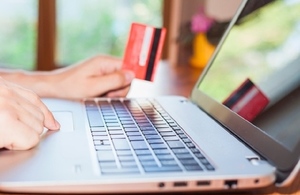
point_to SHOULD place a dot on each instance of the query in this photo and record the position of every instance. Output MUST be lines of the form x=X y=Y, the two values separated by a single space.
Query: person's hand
x=23 y=117
x=97 y=76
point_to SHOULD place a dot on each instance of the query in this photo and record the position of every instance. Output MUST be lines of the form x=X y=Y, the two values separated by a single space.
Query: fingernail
x=129 y=75
x=57 y=125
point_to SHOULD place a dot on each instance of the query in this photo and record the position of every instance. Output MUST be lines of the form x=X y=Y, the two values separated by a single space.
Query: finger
x=119 y=93
x=21 y=138
x=108 y=64
x=19 y=108
x=49 y=120
x=110 y=82
x=29 y=115
x=100 y=65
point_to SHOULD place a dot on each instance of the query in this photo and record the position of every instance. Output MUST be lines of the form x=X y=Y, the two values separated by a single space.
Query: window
x=83 y=29
x=18 y=20
x=91 y=27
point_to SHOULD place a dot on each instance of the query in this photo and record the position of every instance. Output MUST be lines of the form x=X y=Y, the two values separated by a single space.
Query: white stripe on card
x=146 y=46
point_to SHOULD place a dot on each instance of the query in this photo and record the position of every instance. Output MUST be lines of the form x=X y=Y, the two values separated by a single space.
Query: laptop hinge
x=286 y=178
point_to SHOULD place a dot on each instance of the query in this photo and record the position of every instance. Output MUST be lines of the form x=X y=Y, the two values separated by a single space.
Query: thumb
x=114 y=81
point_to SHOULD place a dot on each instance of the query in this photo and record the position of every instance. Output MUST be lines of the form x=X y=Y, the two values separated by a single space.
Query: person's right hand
x=23 y=117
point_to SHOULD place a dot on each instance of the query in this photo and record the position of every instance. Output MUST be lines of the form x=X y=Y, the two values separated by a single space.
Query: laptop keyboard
x=138 y=136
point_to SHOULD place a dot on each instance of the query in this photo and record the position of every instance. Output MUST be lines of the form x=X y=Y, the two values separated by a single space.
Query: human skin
x=23 y=116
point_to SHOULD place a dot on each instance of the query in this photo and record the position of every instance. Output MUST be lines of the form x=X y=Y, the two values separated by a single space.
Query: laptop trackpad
x=65 y=119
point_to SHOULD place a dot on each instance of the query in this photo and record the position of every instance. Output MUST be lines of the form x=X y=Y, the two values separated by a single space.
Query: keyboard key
x=95 y=118
x=127 y=170
x=108 y=164
x=98 y=137
x=164 y=156
x=127 y=122
x=117 y=136
x=171 y=138
x=135 y=138
x=90 y=104
x=112 y=124
x=121 y=144
x=199 y=155
x=145 y=157
x=143 y=152
x=175 y=144
x=116 y=132
x=149 y=163
x=184 y=156
x=129 y=126
x=155 y=141
x=152 y=136
x=180 y=150
x=158 y=146
x=101 y=133
x=126 y=158
x=128 y=164
x=102 y=142
x=209 y=167
x=110 y=129
x=103 y=147
x=131 y=129
x=96 y=129
x=134 y=133
x=164 y=130
x=193 y=167
x=150 y=132
x=115 y=120
x=137 y=145
x=105 y=155
x=161 y=151
x=190 y=145
x=171 y=133
x=168 y=162
x=188 y=161
x=147 y=128
x=186 y=140
x=124 y=152
x=162 y=169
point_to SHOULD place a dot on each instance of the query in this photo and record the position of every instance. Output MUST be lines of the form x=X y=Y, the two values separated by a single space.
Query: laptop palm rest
x=65 y=119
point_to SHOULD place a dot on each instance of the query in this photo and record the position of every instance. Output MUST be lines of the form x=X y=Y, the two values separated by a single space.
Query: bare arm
x=93 y=77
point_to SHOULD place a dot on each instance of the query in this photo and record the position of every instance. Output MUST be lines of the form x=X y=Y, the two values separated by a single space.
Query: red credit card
x=248 y=100
x=143 y=50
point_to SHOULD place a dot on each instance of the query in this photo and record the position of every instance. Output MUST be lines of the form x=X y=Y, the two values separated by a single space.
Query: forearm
x=42 y=83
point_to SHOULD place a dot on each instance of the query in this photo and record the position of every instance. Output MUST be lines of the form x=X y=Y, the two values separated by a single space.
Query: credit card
x=247 y=100
x=143 y=50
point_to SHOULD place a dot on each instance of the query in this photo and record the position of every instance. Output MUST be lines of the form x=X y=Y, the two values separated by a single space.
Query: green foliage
x=102 y=27
x=18 y=43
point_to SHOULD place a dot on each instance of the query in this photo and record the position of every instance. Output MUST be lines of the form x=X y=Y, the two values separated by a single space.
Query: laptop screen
x=256 y=72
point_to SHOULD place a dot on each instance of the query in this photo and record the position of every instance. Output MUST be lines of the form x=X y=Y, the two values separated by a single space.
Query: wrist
x=42 y=83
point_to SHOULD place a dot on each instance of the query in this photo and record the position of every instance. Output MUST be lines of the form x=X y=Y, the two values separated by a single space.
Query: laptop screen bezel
x=279 y=156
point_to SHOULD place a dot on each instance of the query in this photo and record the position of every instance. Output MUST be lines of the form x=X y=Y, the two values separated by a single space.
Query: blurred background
x=46 y=34
x=83 y=28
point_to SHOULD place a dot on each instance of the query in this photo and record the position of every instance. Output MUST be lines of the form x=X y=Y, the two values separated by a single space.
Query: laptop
x=238 y=130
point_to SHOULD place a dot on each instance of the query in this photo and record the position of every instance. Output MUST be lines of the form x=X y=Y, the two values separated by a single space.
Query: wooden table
x=179 y=81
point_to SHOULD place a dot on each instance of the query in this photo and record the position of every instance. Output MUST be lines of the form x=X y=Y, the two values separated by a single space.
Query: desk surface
x=180 y=81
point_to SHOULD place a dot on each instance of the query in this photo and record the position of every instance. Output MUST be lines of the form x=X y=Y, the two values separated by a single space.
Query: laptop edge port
x=180 y=184
x=231 y=184
x=203 y=183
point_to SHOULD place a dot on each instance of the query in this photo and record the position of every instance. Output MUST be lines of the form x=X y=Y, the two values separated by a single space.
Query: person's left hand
x=97 y=76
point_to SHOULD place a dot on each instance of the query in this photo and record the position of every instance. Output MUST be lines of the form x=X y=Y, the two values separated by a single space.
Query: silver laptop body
x=213 y=147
